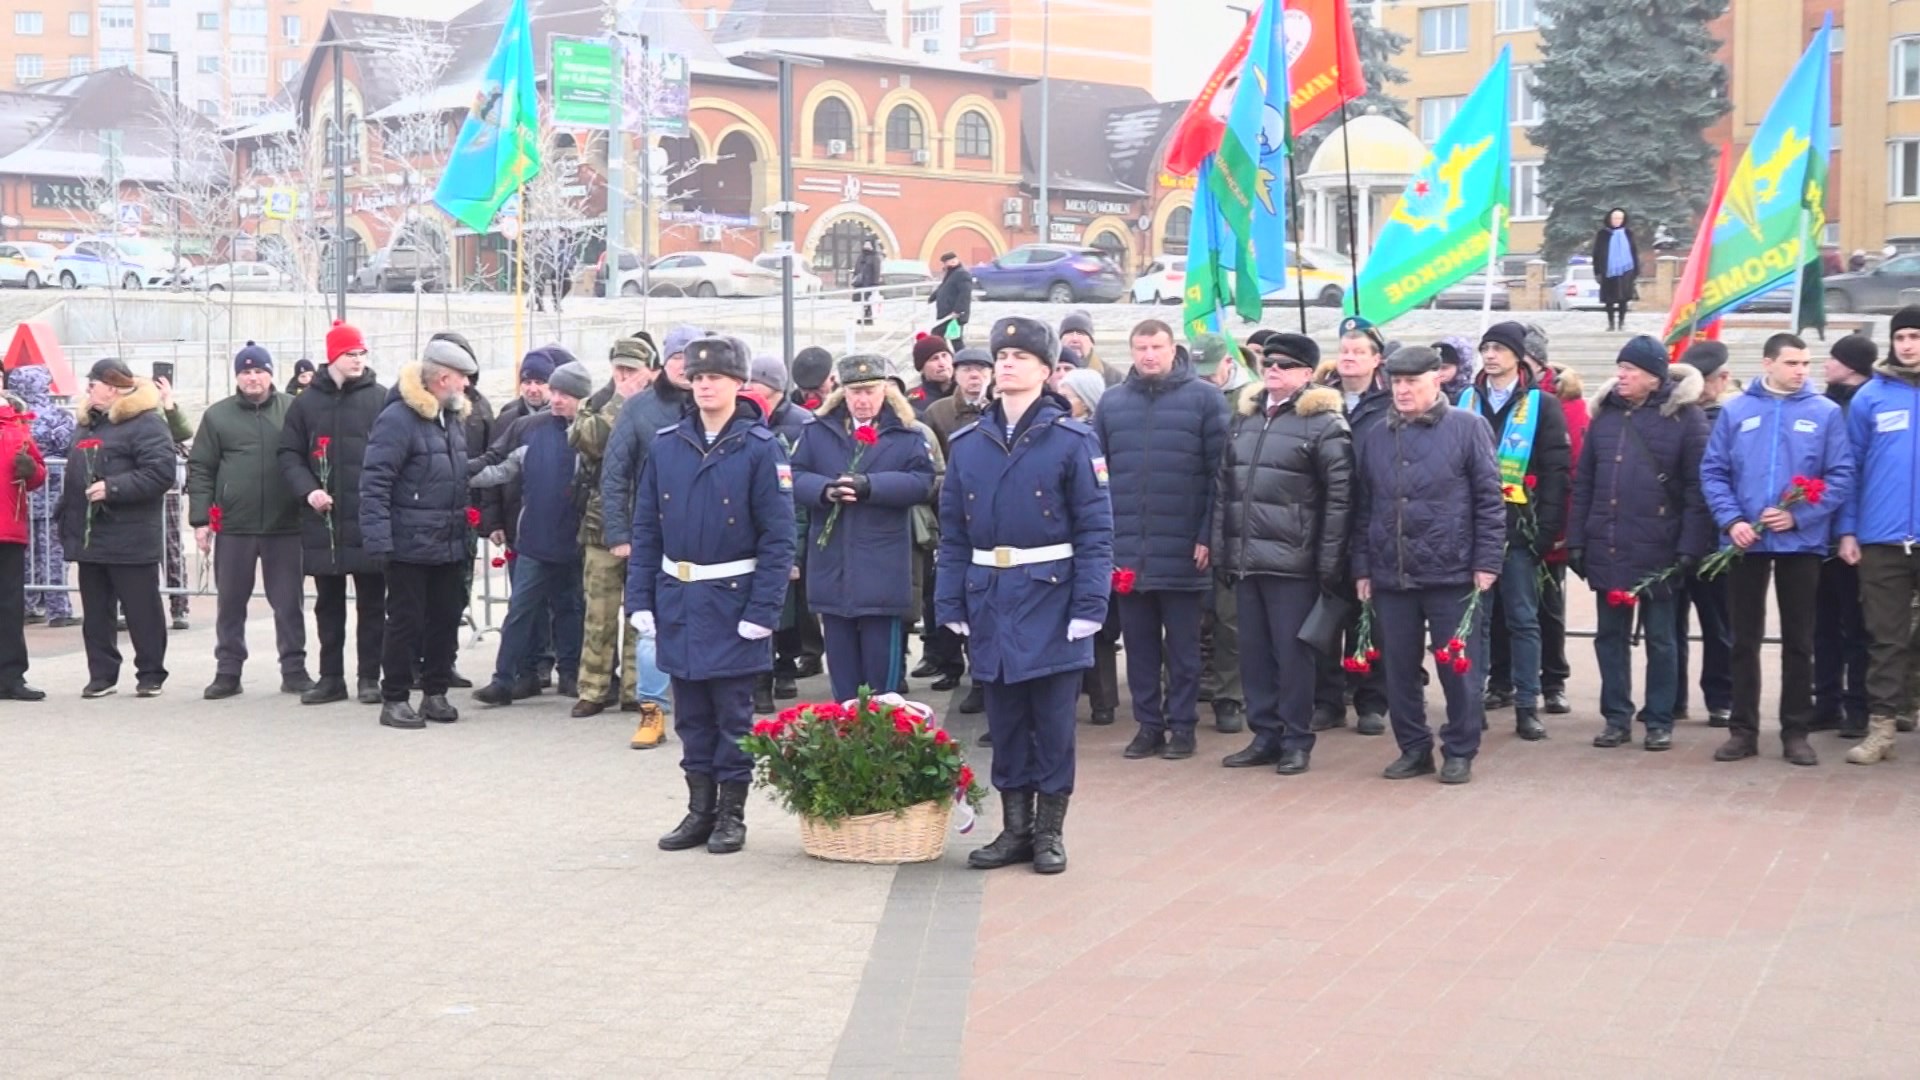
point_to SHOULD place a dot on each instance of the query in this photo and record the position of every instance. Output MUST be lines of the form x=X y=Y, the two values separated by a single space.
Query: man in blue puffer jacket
x=862 y=455
x=1880 y=530
x=413 y=515
x=1764 y=444
x=1163 y=430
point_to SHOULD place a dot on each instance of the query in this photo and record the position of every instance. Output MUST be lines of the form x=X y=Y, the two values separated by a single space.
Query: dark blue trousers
x=1709 y=598
x=1840 y=647
x=1032 y=727
x=548 y=602
x=710 y=716
x=1276 y=667
x=1408 y=627
x=1163 y=627
x=863 y=652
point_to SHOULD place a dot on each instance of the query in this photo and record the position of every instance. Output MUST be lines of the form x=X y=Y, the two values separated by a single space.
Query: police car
x=127 y=262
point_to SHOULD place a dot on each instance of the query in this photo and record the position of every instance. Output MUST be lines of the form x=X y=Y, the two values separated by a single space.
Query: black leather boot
x=697 y=826
x=763 y=696
x=437 y=708
x=368 y=691
x=1049 y=845
x=1015 y=842
x=730 y=819
x=329 y=689
x=399 y=714
x=1527 y=725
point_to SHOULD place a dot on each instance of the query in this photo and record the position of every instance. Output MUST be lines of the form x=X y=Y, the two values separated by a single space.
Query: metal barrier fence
x=188 y=573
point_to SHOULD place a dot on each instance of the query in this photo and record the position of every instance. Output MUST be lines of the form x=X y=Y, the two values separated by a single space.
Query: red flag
x=1681 y=328
x=1323 y=59
x=1323 y=66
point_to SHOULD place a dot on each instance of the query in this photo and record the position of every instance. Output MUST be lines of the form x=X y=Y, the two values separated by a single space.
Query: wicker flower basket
x=916 y=834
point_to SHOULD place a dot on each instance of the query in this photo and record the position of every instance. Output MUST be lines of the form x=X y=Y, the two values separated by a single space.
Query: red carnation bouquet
x=1801 y=489
x=1123 y=580
x=90 y=451
x=864 y=436
x=323 y=471
x=1364 y=655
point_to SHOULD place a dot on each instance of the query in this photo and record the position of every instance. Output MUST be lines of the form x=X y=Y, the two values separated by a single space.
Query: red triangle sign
x=34 y=343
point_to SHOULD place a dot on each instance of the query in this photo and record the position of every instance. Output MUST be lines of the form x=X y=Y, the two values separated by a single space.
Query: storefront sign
x=1096 y=206
x=1064 y=232
x=59 y=195
x=1173 y=182
x=582 y=82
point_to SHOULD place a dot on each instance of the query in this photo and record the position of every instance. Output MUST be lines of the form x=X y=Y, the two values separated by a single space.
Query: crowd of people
x=1281 y=536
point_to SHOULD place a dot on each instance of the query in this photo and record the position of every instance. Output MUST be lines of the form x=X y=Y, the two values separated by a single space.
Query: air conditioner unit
x=1011 y=205
x=836 y=148
x=711 y=234
x=921 y=157
x=1011 y=219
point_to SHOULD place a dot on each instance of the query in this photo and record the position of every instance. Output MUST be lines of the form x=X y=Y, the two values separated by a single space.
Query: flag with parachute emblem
x=498 y=149
x=1774 y=207
x=1250 y=165
x=1443 y=225
x=1208 y=286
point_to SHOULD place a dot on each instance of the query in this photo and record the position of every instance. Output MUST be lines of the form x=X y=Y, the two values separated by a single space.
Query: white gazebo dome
x=1386 y=155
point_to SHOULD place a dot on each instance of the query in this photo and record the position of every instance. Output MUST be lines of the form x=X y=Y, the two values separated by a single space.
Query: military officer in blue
x=1025 y=578
x=860 y=468
x=712 y=547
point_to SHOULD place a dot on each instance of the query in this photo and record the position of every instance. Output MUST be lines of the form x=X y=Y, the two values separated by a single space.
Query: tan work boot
x=653 y=727
x=1878 y=745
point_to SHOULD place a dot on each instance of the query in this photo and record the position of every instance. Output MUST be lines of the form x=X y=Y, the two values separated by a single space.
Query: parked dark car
x=395 y=269
x=1875 y=291
x=1056 y=273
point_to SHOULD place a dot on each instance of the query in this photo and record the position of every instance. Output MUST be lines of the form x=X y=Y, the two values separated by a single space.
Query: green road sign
x=582 y=82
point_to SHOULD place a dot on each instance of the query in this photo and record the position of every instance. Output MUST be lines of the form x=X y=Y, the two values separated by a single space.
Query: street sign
x=582 y=82
x=282 y=204
x=658 y=92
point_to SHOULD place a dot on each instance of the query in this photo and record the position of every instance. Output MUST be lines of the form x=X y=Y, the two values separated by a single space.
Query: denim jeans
x=544 y=593
x=1613 y=648
x=650 y=683
x=1519 y=597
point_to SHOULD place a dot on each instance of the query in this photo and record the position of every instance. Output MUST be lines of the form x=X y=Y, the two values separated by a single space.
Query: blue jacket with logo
x=1883 y=426
x=1044 y=486
x=709 y=504
x=1759 y=444
x=866 y=567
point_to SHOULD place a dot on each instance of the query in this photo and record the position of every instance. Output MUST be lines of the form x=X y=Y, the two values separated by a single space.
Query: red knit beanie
x=343 y=338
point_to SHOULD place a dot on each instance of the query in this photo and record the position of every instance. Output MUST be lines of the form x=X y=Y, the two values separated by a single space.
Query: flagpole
x=1293 y=213
x=1493 y=260
x=519 y=274
x=1800 y=270
x=1353 y=218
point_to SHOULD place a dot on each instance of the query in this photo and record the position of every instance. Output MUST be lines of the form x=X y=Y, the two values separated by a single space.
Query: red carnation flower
x=1456 y=646
x=214 y=517
x=322 y=442
x=473 y=517
x=1123 y=579
x=1532 y=481
x=498 y=562
x=87 y=444
x=1462 y=665
x=866 y=435
x=966 y=777
x=940 y=737
x=1442 y=657
x=1372 y=655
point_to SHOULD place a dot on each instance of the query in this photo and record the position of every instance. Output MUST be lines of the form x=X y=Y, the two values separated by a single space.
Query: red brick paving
x=1572 y=912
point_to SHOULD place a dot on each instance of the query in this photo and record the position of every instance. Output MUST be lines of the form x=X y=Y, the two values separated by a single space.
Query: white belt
x=1001 y=558
x=688 y=571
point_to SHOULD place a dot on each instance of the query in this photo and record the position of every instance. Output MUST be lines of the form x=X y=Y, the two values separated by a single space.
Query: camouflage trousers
x=602 y=645
x=47 y=567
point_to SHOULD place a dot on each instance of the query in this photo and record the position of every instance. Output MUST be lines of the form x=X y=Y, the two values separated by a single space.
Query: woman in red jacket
x=23 y=471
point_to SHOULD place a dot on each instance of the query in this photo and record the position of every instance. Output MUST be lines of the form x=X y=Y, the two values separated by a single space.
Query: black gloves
x=1687 y=564
x=856 y=484
x=1577 y=562
x=23 y=465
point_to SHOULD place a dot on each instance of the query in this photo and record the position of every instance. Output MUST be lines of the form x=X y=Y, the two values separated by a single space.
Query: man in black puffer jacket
x=322 y=446
x=111 y=512
x=1280 y=536
x=1163 y=430
x=1428 y=530
x=413 y=514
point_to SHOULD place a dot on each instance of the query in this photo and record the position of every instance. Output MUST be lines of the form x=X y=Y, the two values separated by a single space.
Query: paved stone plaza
x=252 y=888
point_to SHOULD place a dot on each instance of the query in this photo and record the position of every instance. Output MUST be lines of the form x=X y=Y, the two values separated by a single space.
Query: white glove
x=960 y=628
x=752 y=632
x=642 y=622
x=1081 y=628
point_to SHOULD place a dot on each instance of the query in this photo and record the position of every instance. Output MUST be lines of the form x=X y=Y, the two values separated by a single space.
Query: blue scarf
x=1620 y=254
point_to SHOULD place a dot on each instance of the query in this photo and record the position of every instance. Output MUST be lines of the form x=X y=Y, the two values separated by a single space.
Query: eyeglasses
x=1280 y=361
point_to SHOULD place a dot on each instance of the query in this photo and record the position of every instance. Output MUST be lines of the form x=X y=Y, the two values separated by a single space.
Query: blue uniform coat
x=1163 y=440
x=1759 y=444
x=1041 y=490
x=866 y=567
x=712 y=504
x=1883 y=427
x=413 y=484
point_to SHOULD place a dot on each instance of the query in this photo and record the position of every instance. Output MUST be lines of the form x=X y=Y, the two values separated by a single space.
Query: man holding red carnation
x=1776 y=467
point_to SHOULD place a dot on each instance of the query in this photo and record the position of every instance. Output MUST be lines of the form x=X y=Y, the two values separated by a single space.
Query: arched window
x=1174 y=239
x=832 y=122
x=973 y=137
x=1113 y=245
x=906 y=132
x=356 y=138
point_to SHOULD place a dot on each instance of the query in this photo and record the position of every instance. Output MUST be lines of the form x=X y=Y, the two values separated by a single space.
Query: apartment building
x=1106 y=41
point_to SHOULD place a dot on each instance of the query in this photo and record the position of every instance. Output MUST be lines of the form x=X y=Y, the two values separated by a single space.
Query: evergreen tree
x=1626 y=88
x=1378 y=46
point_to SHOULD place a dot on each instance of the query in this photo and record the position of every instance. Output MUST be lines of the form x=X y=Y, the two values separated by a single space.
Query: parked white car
x=710 y=273
x=129 y=262
x=241 y=277
x=26 y=264
x=805 y=281
x=1577 y=290
x=1327 y=274
x=1164 y=281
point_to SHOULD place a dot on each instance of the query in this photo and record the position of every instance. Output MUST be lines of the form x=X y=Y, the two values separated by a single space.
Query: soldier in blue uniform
x=1025 y=578
x=862 y=454
x=712 y=546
